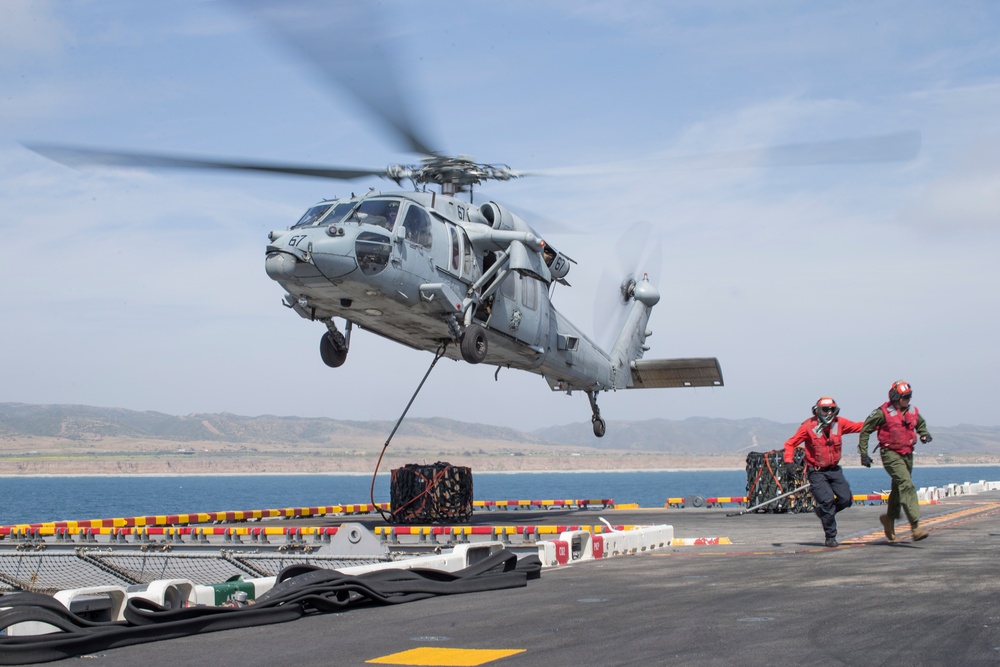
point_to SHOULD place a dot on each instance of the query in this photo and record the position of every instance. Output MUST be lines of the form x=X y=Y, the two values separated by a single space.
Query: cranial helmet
x=826 y=410
x=899 y=389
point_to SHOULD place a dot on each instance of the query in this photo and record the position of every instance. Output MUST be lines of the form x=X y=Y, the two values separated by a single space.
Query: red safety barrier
x=562 y=551
x=598 y=546
x=581 y=503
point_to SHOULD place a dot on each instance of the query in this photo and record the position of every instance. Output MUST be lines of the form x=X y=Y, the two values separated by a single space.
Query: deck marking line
x=956 y=516
x=445 y=657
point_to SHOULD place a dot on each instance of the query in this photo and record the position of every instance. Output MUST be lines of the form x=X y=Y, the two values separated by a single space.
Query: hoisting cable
x=371 y=494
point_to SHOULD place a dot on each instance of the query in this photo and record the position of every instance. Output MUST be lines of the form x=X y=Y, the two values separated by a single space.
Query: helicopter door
x=414 y=243
x=459 y=258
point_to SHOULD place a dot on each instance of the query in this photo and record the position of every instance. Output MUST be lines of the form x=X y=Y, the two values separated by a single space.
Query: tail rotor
x=638 y=256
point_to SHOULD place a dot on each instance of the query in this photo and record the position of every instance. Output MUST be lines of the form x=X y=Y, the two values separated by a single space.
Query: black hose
x=299 y=590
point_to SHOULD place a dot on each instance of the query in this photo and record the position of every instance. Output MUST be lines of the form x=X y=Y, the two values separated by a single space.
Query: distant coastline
x=68 y=440
x=386 y=472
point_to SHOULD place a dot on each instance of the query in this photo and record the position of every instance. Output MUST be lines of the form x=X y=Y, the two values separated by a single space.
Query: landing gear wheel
x=333 y=349
x=599 y=426
x=474 y=344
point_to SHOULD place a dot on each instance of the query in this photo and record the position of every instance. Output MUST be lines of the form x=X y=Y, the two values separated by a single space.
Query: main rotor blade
x=893 y=147
x=72 y=156
x=352 y=49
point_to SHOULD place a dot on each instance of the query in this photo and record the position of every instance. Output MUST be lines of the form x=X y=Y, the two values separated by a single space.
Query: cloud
x=30 y=29
x=960 y=202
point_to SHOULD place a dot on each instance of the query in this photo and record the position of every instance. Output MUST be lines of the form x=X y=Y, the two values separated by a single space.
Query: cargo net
x=766 y=480
x=431 y=494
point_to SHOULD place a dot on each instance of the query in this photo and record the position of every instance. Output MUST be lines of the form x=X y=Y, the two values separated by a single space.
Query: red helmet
x=900 y=389
x=826 y=407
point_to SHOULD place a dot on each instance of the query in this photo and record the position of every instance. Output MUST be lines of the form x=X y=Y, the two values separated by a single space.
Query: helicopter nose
x=280 y=266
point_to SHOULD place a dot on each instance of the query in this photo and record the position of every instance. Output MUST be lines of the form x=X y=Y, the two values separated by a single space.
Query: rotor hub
x=458 y=171
x=628 y=289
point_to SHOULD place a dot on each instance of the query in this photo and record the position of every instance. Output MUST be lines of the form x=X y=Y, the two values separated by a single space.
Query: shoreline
x=474 y=472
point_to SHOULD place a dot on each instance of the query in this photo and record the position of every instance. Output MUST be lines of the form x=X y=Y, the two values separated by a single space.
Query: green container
x=225 y=591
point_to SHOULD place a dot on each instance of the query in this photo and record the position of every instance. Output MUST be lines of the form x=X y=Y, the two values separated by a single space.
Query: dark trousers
x=832 y=494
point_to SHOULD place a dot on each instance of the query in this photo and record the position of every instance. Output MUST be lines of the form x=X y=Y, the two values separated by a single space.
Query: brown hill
x=66 y=439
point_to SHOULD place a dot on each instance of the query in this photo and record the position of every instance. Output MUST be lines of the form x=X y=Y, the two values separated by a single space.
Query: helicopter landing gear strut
x=599 y=426
x=333 y=345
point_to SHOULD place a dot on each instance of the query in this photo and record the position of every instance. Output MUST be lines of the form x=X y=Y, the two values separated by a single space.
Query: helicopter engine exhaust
x=499 y=217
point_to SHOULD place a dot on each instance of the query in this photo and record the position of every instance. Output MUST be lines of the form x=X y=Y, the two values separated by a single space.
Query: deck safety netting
x=47 y=572
x=197 y=568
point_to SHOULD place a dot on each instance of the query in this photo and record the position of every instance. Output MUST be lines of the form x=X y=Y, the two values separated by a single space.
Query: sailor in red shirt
x=822 y=436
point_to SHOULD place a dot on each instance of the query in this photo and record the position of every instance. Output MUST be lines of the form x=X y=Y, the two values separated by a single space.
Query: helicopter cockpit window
x=418 y=226
x=312 y=215
x=381 y=212
x=338 y=212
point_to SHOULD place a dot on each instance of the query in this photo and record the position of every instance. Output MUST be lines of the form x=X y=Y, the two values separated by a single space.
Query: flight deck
x=754 y=589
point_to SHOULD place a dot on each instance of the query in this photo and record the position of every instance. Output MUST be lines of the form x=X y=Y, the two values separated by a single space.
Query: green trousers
x=900 y=468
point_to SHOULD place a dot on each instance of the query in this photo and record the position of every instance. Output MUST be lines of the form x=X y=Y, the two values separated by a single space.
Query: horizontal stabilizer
x=666 y=373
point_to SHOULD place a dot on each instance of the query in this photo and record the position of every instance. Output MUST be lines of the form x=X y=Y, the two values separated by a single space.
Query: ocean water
x=38 y=499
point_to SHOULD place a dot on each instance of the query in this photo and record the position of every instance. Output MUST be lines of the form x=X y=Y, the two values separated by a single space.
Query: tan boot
x=888 y=525
x=917 y=533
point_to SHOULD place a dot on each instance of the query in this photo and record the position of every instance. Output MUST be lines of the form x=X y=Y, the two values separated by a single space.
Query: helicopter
x=429 y=270
x=425 y=267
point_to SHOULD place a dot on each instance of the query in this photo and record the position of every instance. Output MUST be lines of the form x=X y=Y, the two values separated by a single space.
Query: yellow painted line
x=699 y=541
x=626 y=506
x=903 y=530
x=445 y=657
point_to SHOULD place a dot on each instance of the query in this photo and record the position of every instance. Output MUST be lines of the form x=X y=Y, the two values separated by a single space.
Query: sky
x=146 y=290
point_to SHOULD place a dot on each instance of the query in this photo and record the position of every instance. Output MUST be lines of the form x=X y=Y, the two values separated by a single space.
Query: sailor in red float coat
x=898 y=432
x=822 y=436
x=822 y=447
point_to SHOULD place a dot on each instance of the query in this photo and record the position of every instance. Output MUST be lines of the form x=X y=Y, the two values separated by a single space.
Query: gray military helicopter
x=427 y=269
x=434 y=271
